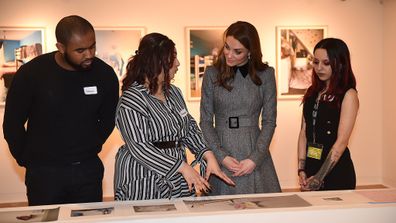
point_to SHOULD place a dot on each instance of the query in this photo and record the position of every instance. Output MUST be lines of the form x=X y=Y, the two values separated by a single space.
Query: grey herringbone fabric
x=246 y=101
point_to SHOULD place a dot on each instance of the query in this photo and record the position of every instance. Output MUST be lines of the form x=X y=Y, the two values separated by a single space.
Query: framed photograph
x=203 y=46
x=116 y=45
x=18 y=45
x=294 y=50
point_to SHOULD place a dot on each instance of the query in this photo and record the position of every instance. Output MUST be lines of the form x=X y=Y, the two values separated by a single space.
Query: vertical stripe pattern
x=143 y=171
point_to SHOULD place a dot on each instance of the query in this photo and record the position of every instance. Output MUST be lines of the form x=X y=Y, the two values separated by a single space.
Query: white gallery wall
x=389 y=102
x=361 y=23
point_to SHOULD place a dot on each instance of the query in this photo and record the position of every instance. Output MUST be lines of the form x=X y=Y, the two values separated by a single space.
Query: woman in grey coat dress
x=235 y=91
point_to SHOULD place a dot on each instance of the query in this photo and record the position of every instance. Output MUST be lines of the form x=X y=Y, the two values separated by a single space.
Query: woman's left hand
x=214 y=168
x=313 y=183
x=247 y=167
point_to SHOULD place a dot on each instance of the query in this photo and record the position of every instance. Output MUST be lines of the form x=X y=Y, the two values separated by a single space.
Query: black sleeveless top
x=326 y=128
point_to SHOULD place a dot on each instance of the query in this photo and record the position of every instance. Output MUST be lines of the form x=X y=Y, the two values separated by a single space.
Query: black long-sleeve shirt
x=55 y=116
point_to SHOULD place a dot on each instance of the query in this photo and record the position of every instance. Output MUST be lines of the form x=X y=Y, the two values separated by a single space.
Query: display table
x=330 y=206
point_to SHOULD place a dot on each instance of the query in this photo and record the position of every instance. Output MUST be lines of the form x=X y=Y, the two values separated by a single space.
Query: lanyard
x=314 y=116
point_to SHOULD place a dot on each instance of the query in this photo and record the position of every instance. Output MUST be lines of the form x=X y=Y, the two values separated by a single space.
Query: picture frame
x=116 y=45
x=203 y=45
x=294 y=55
x=18 y=45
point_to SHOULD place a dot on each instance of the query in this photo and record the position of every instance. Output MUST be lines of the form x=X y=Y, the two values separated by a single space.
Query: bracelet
x=300 y=170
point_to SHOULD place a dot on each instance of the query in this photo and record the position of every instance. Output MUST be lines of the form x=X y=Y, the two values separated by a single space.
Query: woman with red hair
x=330 y=107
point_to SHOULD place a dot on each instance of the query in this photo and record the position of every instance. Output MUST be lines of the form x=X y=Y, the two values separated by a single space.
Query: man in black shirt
x=59 y=111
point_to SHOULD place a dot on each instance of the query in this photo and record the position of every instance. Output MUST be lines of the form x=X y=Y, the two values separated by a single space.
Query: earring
x=249 y=56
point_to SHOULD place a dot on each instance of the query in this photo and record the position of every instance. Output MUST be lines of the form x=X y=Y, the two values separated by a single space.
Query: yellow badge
x=315 y=151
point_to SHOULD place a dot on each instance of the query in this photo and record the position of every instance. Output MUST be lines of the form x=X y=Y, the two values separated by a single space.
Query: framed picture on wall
x=294 y=50
x=203 y=46
x=116 y=45
x=18 y=45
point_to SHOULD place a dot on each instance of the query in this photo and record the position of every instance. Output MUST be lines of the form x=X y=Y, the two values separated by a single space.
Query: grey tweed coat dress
x=230 y=124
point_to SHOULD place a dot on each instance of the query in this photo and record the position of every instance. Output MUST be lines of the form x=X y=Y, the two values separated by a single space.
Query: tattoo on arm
x=301 y=164
x=327 y=166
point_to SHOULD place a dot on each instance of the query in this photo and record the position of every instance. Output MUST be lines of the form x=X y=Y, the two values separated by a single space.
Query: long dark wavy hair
x=342 y=78
x=156 y=52
x=248 y=36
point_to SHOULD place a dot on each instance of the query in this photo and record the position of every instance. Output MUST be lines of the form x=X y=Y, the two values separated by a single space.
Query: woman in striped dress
x=156 y=126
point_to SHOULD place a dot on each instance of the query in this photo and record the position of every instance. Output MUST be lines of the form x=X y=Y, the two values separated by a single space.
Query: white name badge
x=183 y=112
x=90 y=90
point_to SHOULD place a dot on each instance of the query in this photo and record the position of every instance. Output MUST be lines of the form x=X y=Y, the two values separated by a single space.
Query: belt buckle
x=233 y=122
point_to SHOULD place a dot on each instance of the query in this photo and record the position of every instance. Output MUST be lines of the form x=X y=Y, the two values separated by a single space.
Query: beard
x=77 y=67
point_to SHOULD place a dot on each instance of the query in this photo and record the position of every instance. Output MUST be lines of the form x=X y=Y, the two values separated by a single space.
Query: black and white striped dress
x=143 y=171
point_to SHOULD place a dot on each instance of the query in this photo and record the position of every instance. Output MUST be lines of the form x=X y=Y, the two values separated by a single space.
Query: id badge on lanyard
x=315 y=150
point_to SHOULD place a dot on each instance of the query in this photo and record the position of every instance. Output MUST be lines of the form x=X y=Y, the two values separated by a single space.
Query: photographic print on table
x=116 y=45
x=18 y=45
x=294 y=50
x=203 y=46
x=238 y=203
x=92 y=212
x=30 y=215
x=155 y=208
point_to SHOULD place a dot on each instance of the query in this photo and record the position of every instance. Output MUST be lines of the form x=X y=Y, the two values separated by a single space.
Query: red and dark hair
x=342 y=78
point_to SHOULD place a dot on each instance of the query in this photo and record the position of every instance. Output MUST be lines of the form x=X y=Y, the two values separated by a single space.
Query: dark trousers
x=79 y=182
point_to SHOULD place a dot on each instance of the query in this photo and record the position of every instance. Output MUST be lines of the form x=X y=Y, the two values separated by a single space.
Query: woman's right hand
x=194 y=179
x=303 y=181
x=231 y=164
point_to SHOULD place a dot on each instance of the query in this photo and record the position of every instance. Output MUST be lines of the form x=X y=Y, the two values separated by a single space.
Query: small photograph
x=210 y=205
x=41 y=215
x=332 y=199
x=92 y=212
x=155 y=208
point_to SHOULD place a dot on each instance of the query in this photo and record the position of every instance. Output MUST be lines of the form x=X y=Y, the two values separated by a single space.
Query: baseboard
x=370 y=186
x=14 y=204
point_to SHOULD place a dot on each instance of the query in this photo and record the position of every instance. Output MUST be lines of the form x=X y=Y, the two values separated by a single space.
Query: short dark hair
x=156 y=52
x=70 y=25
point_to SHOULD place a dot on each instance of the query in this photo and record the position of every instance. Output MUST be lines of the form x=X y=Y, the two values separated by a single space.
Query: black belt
x=235 y=122
x=166 y=144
